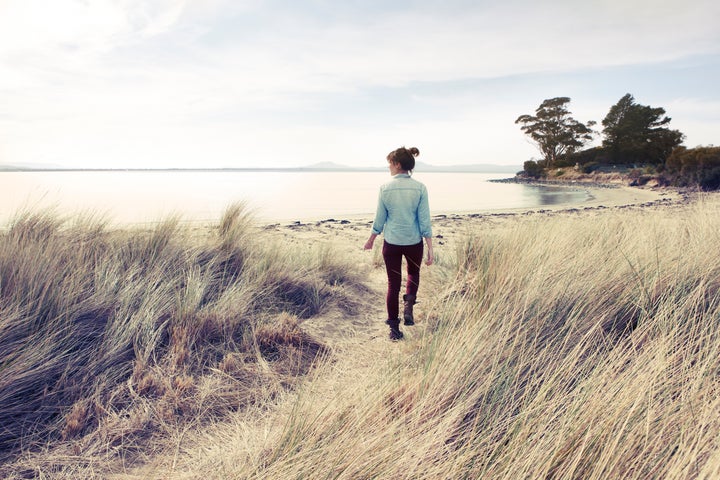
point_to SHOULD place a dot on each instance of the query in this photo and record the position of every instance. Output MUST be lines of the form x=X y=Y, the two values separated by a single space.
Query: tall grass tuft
x=109 y=338
x=565 y=347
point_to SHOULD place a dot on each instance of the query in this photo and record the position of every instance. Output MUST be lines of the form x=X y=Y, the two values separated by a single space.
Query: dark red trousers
x=393 y=255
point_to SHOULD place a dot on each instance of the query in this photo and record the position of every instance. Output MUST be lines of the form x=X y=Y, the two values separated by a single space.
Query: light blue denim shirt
x=403 y=211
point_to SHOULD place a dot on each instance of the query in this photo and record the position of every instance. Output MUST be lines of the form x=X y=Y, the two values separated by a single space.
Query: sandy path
x=335 y=327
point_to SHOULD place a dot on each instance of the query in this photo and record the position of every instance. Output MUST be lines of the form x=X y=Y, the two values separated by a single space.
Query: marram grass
x=548 y=347
x=563 y=347
x=109 y=339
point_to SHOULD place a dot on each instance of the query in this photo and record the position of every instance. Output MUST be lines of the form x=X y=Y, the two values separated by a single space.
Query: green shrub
x=590 y=167
x=694 y=167
x=710 y=179
x=532 y=169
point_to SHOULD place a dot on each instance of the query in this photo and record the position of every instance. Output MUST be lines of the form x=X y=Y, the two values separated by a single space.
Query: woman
x=403 y=213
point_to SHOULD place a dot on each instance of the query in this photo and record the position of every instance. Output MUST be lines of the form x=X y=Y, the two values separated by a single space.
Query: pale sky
x=282 y=83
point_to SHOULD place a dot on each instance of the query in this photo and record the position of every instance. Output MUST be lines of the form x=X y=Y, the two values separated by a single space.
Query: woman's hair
x=405 y=157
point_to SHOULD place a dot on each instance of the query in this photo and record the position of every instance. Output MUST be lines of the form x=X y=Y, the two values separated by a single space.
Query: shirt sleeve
x=424 y=214
x=380 y=216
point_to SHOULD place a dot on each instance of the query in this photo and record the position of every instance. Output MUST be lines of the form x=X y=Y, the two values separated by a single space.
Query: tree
x=554 y=131
x=637 y=133
x=532 y=169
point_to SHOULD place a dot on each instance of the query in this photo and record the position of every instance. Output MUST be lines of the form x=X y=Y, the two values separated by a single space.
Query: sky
x=286 y=83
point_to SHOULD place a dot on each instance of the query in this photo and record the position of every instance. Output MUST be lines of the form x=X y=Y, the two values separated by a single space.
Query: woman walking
x=403 y=216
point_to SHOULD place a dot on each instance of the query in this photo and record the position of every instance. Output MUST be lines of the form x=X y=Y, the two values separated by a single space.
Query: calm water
x=137 y=197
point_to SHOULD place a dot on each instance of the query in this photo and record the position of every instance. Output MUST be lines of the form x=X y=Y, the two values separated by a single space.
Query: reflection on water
x=558 y=195
x=135 y=197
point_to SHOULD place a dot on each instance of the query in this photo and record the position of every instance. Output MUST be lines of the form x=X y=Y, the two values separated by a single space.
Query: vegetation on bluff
x=636 y=137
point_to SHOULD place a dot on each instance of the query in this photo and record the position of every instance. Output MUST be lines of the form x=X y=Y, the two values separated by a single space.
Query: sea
x=148 y=196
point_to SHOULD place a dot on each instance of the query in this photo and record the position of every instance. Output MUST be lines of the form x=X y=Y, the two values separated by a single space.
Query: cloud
x=176 y=81
x=33 y=25
x=444 y=43
x=698 y=119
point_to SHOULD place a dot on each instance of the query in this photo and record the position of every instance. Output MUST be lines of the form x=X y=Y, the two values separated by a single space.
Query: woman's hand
x=370 y=242
x=430 y=257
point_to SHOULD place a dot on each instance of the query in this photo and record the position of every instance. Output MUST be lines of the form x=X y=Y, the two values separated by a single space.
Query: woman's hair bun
x=405 y=157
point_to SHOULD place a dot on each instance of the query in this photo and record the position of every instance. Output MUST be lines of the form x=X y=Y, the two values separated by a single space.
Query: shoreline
x=600 y=196
x=350 y=232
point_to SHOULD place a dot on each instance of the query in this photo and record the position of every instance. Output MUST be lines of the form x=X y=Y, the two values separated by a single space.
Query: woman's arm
x=378 y=224
x=430 y=254
x=423 y=214
x=370 y=241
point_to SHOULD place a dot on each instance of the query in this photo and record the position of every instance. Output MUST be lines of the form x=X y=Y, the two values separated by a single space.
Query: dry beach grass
x=560 y=344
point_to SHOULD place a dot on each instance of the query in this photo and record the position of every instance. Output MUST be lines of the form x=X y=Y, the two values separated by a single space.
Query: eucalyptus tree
x=554 y=131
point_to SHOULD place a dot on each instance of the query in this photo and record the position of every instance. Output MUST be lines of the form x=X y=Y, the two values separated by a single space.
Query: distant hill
x=422 y=167
x=28 y=166
x=327 y=166
x=316 y=167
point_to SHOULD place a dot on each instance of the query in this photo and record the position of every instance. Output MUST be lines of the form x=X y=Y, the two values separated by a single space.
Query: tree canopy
x=554 y=131
x=637 y=133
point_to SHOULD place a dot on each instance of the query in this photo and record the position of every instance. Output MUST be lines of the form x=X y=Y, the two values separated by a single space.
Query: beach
x=448 y=227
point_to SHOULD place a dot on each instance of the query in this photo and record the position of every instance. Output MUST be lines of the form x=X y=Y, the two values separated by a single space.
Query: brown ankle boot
x=395 y=333
x=409 y=301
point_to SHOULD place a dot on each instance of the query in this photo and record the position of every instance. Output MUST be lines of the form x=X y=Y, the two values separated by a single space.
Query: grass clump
x=110 y=338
